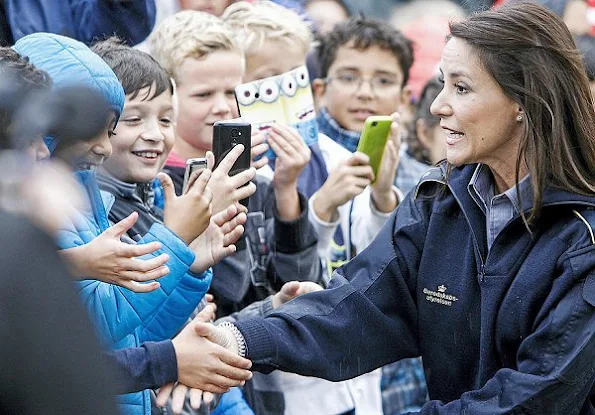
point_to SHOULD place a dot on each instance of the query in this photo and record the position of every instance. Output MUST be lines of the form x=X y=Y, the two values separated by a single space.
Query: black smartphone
x=193 y=165
x=228 y=134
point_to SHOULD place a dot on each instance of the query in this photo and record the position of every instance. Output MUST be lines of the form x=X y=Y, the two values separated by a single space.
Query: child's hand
x=292 y=155
x=383 y=194
x=293 y=289
x=259 y=147
x=229 y=190
x=346 y=181
x=217 y=242
x=188 y=215
x=110 y=260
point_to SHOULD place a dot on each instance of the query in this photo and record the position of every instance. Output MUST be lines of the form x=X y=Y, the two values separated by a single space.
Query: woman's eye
x=166 y=121
x=461 y=89
x=132 y=120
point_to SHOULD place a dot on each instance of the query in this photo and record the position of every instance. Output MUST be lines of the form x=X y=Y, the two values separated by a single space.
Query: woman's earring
x=519 y=117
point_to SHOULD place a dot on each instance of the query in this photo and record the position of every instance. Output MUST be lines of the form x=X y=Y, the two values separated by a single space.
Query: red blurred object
x=428 y=35
x=591 y=15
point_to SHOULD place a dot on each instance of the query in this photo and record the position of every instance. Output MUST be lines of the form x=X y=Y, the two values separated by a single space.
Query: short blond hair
x=190 y=34
x=255 y=23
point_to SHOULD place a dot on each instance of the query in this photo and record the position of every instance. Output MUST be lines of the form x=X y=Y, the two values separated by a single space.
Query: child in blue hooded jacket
x=121 y=317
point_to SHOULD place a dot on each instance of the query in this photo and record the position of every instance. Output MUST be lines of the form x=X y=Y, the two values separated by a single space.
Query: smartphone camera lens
x=374 y=124
x=235 y=132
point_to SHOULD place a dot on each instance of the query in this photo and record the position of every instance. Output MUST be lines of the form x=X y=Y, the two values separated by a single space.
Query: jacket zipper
x=482 y=266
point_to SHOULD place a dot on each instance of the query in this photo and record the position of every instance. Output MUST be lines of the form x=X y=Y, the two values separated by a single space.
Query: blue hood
x=70 y=63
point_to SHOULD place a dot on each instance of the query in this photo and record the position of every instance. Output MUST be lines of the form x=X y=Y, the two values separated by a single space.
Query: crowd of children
x=150 y=256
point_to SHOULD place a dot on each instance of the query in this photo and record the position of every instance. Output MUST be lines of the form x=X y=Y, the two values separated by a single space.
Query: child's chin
x=144 y=177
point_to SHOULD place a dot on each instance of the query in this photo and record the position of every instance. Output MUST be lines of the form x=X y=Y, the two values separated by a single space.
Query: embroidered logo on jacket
x=439 y=296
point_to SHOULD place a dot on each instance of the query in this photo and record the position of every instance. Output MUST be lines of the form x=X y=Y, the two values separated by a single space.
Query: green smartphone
x=373 y=139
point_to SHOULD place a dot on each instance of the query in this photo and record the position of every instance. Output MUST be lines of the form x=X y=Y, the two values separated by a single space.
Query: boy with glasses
x=364 y=68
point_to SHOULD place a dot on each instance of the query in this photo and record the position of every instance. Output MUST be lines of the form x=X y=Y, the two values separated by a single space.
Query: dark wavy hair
x=531 y=54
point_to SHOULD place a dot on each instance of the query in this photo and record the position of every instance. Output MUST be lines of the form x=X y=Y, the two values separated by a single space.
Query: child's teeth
x=147 y=154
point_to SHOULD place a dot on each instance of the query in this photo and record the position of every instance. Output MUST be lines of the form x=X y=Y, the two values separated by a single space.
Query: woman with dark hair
x=487 y=269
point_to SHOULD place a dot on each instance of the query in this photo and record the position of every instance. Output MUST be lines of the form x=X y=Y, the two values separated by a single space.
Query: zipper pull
x=482 y=272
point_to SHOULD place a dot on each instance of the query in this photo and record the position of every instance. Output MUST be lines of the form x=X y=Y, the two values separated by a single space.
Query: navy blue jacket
x=150 y=366
x=509 y=332
x=84 y=20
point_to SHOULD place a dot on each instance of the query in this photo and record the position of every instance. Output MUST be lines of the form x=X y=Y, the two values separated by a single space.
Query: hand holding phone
x=187 y=215
x=192 y=165
x=232 y=173
x=384 y=196
x=373 y=139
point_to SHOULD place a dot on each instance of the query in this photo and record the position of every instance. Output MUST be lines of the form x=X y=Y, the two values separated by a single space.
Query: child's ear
x=319 y=90
x=406 y=95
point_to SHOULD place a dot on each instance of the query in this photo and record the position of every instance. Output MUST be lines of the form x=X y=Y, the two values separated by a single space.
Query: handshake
x=208 y=355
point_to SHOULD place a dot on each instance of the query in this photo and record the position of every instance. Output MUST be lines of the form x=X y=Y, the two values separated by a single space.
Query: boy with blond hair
x=201 y=54
x=345 y=209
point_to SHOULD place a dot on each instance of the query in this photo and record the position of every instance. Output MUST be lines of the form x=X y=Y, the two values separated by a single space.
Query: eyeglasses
x=381 y=86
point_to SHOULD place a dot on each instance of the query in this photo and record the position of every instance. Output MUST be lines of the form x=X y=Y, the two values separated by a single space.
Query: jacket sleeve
x=117 y=312
x=324 y=230
x=149 y=366
x=367 y=310
x=131 y=20
x=294 y=254
x=555 y=367
x=366 y=219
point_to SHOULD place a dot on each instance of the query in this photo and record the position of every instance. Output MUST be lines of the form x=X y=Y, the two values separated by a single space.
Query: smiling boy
x=200 y=53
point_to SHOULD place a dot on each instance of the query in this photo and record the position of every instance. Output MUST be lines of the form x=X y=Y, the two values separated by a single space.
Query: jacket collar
x=459 y=180
x=461 y=176
x=141 y=194
x=100 y=202
x=331 y=128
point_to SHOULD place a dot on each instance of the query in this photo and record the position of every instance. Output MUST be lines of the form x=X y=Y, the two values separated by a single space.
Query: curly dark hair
x=20 y=79
x=365 y=33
